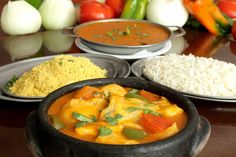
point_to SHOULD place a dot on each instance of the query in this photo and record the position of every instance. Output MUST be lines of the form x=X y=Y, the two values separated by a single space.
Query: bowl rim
x=187 y=132
x=170 y=33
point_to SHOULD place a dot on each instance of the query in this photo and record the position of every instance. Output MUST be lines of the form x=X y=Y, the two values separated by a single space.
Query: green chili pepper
x=134 y=9
x=132 y=133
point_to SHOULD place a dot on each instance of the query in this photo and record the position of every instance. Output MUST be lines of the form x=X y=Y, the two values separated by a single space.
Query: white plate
x=139 y=55
x=137 y=70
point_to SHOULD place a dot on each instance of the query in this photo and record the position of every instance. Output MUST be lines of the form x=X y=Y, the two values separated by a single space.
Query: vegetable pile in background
x=209 y=15
x=27 y=16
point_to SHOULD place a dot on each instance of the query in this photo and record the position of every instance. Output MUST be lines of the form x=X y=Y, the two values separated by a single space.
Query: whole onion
x=19 y=17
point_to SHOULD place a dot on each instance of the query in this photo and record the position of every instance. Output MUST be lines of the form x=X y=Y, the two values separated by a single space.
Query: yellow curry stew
x=113 y=114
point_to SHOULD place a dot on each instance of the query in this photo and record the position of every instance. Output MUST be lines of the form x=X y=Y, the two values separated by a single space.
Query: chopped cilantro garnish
x=132 y=109
x=81 y=117
x=94 y=118
x=104 y=131
x=149 y=104
x=113 y=120
x=148 y=111
x=60 y=63
x=10 y=83
x=145 y=110
x=81 y=123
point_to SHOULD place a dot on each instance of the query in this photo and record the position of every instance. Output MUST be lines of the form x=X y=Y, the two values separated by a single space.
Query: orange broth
x=125 y=33
x=64 y=107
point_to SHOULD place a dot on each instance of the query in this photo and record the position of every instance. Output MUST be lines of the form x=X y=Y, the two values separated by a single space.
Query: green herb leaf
x=133 y=95
x=96 y=94
x=128 y=30
x=110 y=34
x=80 y=124
x=148 y=111
x=132 y=109
x=81 y=117
x=94 y=118
x=60 y=63
x=113 y=120
x=149 y=104
x=56 y=122
x=132 y=133
x=10 y=83
x=145 y=110
x=104 y=131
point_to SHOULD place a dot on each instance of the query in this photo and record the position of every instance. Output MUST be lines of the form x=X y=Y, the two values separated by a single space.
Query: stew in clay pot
x=113 y=114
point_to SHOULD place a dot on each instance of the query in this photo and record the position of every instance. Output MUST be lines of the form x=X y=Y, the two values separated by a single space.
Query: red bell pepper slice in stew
x=154 y=124
x=150 y=96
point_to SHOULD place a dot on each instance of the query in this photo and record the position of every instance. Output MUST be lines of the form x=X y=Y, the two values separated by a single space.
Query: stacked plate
x=139 y=55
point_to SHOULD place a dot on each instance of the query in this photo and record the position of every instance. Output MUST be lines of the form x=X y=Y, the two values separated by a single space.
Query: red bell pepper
x=150 y=96
x=154 y=124
x=93 y=10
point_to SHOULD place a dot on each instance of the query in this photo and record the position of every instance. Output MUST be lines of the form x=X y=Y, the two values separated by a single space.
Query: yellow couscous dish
x=53 y=74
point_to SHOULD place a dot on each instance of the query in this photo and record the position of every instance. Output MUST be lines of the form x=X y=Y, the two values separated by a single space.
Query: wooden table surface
x=221 y=115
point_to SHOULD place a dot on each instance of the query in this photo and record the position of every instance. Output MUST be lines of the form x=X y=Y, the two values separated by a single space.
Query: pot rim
x=189 y=129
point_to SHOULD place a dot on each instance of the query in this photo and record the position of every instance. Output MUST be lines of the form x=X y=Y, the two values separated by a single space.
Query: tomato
x=117 y=6
x=154 y=124
x=234 y=30
x=228 y=7
x=93 y=10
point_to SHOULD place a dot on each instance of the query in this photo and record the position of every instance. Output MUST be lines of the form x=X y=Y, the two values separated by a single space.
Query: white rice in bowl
x=193 y=75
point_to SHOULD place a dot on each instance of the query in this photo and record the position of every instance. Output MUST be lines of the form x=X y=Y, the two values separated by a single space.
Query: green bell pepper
x=134 y=9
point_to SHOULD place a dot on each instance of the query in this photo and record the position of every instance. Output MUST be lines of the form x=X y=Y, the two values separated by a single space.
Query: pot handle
x=68 y=31
x=202 y=135
x=178 y=31
x=31 y=135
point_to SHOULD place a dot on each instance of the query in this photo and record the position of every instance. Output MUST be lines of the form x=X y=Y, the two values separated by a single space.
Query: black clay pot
x=45 y=141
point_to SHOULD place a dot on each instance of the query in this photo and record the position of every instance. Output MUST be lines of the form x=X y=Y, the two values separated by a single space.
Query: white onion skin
x=19 y=17
x=57 y=14
x=167 y=12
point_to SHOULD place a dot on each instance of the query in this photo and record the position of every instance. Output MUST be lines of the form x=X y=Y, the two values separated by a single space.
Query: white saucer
x=139 y=55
